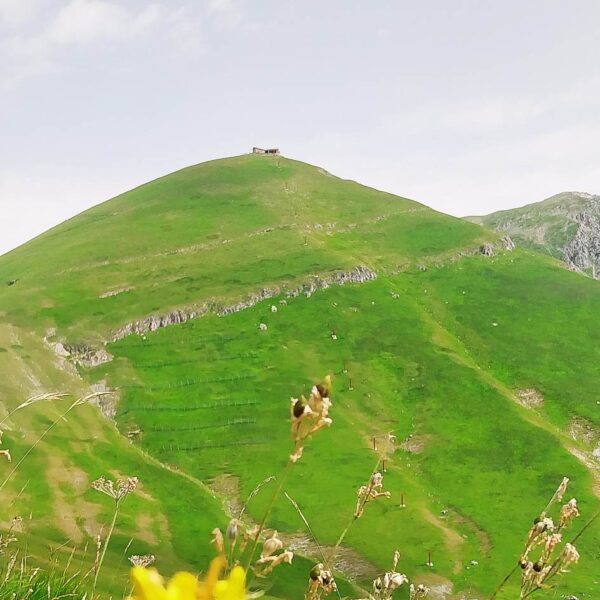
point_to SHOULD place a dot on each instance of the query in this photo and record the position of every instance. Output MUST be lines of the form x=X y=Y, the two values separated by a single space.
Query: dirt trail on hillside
x=453 y=539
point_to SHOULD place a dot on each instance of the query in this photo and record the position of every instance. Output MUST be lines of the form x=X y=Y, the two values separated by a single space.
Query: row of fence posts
x=402 y=504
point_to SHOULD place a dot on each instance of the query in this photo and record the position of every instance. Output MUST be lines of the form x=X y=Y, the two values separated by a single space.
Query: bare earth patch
x=592 y=463
x=228 y=488
x=452 y=538
x=416 y=444
x=530 y=397
x=582 y=430
x=74 y=515
x=110 y=293
x=147 y=526
x=440 y=588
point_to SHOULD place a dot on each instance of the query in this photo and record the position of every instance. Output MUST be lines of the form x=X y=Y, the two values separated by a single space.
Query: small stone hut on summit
x=256 y=150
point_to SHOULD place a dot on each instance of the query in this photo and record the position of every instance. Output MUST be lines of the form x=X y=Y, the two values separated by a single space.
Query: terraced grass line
x=192 y=448
x=188 y=361
x=229 y=423
x=180 y=342
x=187 y=408
x=186 y=383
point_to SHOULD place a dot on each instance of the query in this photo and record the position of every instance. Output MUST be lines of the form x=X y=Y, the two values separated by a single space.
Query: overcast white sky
x=467 y=106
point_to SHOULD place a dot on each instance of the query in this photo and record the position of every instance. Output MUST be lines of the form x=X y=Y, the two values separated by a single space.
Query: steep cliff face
x=583 y=251
x=567 y=226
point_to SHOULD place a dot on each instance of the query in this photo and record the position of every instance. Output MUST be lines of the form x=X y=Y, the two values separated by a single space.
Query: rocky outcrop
x=583 y=251
x=487 y=249
x=154 y=322
x=359 y=274
x=105 y=399
x=508 y=243
x=87 y=356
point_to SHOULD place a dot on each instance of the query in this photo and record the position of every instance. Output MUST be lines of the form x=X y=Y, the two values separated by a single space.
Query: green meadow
x=439 y=350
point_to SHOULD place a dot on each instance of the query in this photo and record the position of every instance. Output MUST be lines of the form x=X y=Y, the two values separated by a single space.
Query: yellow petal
x=206 y=587
x=233 y=588
x=147 y=584
x=183 y=586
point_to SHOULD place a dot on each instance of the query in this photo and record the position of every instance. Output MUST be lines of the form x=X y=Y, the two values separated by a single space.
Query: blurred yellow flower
x=232 y=588
x=149 y=585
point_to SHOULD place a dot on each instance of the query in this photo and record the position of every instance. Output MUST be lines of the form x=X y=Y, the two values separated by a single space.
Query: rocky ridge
x=359 y=274
x=583 y=251
x=567 y=226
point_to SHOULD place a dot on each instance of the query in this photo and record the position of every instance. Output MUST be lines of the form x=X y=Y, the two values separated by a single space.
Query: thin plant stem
x=305 y=521
x=554 y=570
x=104 y=548
x=30 y=401
x=253 y=493
x=47 y=431
x=354 y=517
x=31 y=448
x=503 y=582
x=589 y=522
x=267 y=512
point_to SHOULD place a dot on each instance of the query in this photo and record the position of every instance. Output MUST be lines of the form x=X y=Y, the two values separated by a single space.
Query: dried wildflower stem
x=268 y=510
x=310 y=531
x=46 y=432
x=504 y=581
x=33 y=400
x=555 y=565
x=587 y=524
x=254 y=492
x=104 y=548
x=355 y=516
x=305 y=521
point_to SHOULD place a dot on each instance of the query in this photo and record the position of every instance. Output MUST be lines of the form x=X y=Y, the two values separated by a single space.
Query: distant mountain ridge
x=566 y=225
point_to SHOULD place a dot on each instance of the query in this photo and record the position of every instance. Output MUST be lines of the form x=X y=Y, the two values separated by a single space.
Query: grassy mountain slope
x=552 y=225
x=440 y=347
x=214 y=231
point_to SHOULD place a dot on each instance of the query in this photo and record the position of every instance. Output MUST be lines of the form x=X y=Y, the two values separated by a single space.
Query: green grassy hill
x=439 y=344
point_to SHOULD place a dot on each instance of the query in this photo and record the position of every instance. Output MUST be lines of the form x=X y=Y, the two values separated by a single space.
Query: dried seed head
x=232 y=530
x=568 y=512
x=272 y=544
x=309 y=416
x=217 y=540
x=123 y=487
x=569 y=556
x=143 y=560
x=551 y=542
x=562 y=488
x=315 y=572
x=419 y=591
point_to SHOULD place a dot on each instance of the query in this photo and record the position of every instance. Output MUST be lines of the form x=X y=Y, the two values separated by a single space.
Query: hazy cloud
x=34 y=39
x=15 y=12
